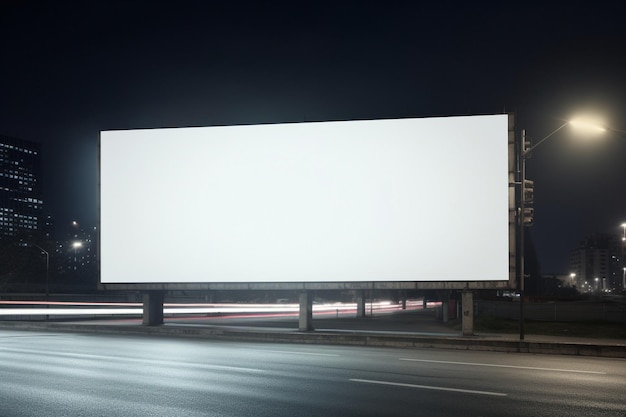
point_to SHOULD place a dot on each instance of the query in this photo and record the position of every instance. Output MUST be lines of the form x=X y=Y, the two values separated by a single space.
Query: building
x=596 y=264
x=21 y=191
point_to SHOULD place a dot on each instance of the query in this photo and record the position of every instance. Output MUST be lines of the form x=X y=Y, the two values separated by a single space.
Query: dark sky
x=72 y=69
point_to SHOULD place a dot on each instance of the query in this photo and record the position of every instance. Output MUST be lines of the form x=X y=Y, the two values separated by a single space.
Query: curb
x=473 y=343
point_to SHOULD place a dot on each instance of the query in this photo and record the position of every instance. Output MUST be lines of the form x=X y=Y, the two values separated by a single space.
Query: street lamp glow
x=76 y=245
x=579 y=123
x=587 y=125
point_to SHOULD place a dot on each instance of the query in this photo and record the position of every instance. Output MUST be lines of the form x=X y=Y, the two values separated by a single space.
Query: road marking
x=301 y=353
x=532 y=368
x=400 y=384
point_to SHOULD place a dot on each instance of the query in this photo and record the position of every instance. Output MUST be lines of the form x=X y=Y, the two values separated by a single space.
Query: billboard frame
x=511 y=283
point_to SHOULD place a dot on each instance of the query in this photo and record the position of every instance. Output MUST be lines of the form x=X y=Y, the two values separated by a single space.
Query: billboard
x=349 y=201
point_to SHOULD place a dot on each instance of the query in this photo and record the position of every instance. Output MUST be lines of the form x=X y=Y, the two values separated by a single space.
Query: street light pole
x=623 y=225
x=522 y=226
x=47 y=268
x=47 y=271
x=524 y=153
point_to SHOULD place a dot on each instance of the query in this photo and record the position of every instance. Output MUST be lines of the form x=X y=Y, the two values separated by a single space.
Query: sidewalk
x=407 y=329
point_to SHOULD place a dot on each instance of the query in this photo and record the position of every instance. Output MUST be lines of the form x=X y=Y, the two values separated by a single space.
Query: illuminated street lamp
x=524 y=214
x=76 y=245
x=585 y=124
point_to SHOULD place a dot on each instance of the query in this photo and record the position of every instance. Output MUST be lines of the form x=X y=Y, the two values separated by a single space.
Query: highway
x=65 y=374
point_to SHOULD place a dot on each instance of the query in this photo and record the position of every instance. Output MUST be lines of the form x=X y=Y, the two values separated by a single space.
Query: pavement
x=411 y=329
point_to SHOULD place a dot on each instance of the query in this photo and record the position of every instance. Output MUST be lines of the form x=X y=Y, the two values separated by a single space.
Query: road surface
x=59 y=374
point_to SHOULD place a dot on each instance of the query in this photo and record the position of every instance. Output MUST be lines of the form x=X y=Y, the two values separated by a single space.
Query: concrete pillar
x=306 y=312
x=153 y=308
x=467 y=320
x=360 y=305
x=403 y=300
x=445 y=311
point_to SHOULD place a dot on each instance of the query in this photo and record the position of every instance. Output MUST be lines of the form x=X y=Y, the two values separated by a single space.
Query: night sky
x=72 y=69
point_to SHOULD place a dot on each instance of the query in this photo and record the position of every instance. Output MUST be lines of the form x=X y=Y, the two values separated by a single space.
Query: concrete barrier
x=474 y=343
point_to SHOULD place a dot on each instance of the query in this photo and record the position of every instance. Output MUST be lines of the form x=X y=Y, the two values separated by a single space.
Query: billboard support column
x=153 y=308
x=306 y=312
x=445 y=306
x=467 y=305
x=360 y=305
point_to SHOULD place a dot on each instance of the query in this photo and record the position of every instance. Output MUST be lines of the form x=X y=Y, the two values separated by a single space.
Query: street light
x=586 y=124
x=525 y=215
x=76 y=245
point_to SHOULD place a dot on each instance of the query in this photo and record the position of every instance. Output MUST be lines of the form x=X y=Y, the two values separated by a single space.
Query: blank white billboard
x=375 y=200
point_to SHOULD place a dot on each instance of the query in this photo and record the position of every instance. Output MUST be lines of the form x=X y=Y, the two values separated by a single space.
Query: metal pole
x=522 y=172
x=47 y=275
x=47 y=271
x=623 y=260
x=47 y=280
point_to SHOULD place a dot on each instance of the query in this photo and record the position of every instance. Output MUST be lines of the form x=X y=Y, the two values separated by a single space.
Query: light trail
x=67 y=308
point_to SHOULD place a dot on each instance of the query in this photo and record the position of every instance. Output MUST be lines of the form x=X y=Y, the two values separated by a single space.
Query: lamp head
x=587 y=124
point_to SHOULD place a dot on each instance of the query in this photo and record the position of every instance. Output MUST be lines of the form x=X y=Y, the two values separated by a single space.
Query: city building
x=596 y=264
x=21 y=191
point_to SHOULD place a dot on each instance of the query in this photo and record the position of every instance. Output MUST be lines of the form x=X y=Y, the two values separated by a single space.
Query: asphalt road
x=60 y=374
